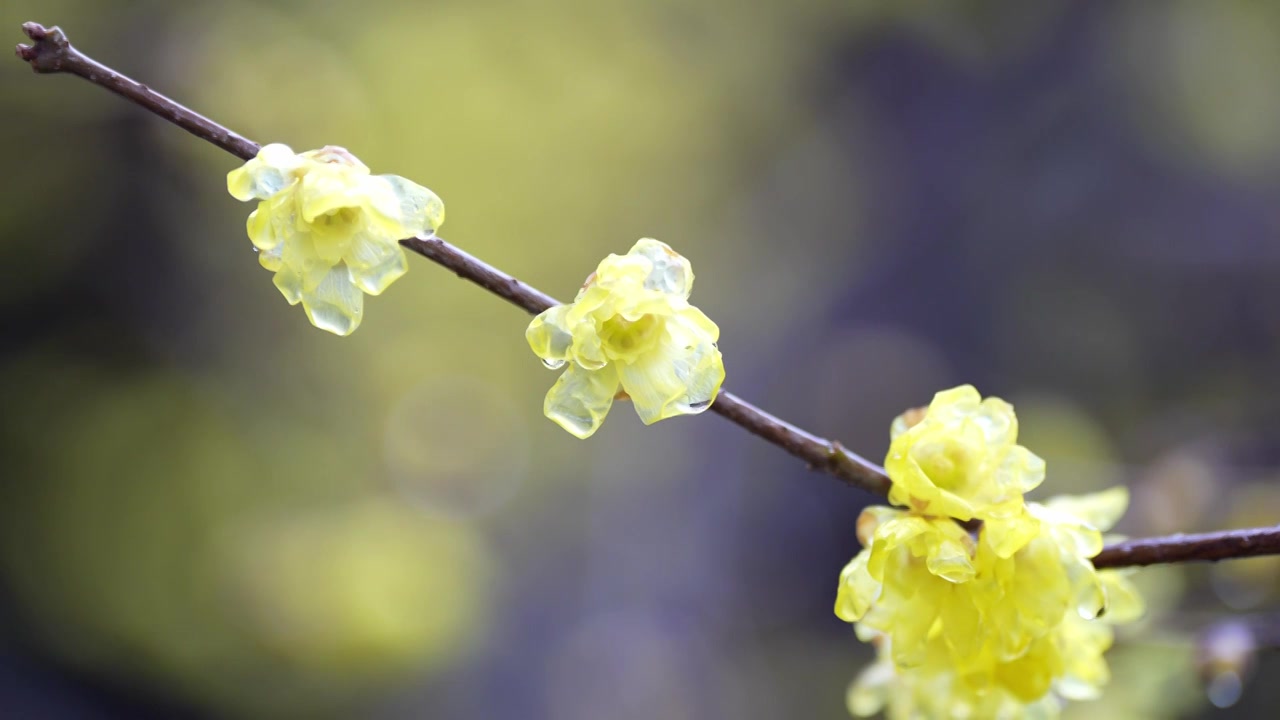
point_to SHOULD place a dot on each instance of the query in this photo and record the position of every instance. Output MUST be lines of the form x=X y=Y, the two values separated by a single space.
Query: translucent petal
x=681 y=377
x=272 y=223
x=1100 y=510
x=955 y=403
x=548 y=336
x=622 y=273
x=910 y=631
x=962 y=624
x=374 y=280
x=587 y=349
x=1123 y=601
x=1021 y=470
x=949 y=559
x=271 y=259
x=1009 y=535
x=328 y=189
x=1039 y=586
x=857 y=590
x=889 y=536
x=335 y=304
x=580 y=399
x=1090 y=597
x=289 y=282
x=265 y=175
x=413 y=209
x=300 y=255
x=331 y=242
x=1030 y=676
x=693 y=317
x=670 y=273
x=871 y=519
x=374 y=264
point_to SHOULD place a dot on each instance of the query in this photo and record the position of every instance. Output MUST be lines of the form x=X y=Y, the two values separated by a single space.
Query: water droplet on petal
x=554 y=364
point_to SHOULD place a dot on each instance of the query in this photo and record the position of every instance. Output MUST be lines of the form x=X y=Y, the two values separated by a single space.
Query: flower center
x=947 y=464
x=625 y=339
x=335 y=221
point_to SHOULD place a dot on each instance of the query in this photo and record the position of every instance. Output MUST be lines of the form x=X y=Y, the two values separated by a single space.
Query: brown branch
x=1205 y=547
x=469 y=267
x=52 y=53
x=825 y=455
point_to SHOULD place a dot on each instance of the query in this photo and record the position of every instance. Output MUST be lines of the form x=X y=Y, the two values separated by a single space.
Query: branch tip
x=49 y=50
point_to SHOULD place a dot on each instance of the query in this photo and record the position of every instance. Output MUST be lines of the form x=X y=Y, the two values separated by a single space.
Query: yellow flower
x=962 y=460
x=329 y=230
x=909 y=581
x=631 y=326
x=963 y=631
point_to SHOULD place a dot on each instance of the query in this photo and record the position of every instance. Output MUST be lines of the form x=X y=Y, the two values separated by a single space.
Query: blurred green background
x=209 y=508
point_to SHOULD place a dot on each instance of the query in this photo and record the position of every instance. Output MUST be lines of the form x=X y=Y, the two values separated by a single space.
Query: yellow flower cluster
x=1004 y=623
x=630 y=327
x=329 y=230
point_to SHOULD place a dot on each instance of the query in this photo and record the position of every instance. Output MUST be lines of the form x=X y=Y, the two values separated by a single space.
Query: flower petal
x=680 y=377
x=412 y=209
x=671 y=272
x=548 y=336
x=265 y=175
x=374 y=263
x=301 y=256
x=857 y=590
x=580 y=399
x=1124 y=603
x=271 y=259
x=1100 y=510
x=288 y=281
x=326 y=189
x=336 y=304
x=272 y=223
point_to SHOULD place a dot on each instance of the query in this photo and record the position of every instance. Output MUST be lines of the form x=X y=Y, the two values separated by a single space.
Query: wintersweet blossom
x=329 y=230
x=1009 y=621
x=966 y=630
x=630 y=327
x=962 y=460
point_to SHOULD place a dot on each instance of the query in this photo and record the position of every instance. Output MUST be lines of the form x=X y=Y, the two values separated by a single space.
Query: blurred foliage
x=205 y=501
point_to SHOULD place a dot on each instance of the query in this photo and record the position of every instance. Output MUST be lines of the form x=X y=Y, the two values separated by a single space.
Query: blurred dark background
x=209 y=508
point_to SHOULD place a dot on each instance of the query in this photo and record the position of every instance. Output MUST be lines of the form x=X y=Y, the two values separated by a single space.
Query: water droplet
x=554 y=364
x=255 y=248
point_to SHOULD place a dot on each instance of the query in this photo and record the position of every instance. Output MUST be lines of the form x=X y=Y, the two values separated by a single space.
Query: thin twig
x=1206 y=547
x=820 y=454
x=52 y=53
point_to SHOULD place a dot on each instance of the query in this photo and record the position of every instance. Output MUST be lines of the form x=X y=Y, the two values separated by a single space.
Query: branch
x=52 y=53
x=820 y=454
x=1205 y=547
